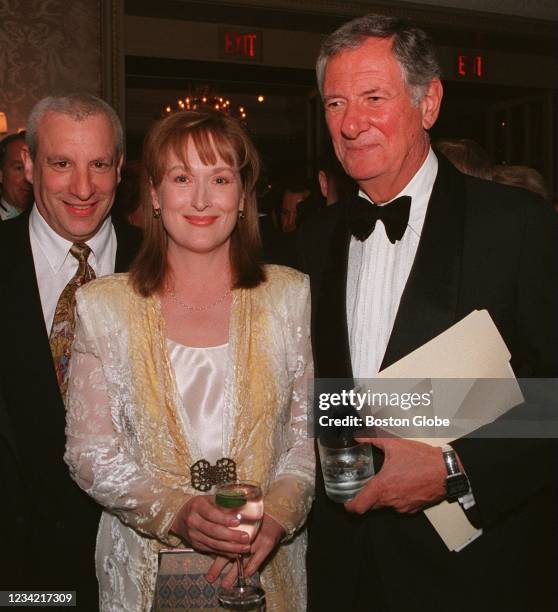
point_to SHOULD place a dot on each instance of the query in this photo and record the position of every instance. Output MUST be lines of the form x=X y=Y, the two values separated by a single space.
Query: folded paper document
x=471 y=349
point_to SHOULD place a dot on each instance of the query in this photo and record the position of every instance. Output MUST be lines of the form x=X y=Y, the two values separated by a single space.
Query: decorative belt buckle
x=204 y=475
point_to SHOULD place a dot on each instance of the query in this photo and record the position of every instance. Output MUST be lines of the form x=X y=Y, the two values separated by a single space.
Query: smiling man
x=73 y=158
x=418 y=250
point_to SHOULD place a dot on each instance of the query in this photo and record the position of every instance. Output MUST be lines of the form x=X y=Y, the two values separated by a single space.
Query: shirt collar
x=56 y=249
x=9 y=208
x=419 y=188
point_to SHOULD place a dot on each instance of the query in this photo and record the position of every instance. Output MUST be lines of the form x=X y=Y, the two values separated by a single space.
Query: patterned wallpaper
x=47 y=46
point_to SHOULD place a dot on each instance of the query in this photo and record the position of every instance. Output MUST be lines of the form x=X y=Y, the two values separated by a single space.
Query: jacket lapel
x=430 y=299
x=27 y=337
x=330 y=337
x=23 y=291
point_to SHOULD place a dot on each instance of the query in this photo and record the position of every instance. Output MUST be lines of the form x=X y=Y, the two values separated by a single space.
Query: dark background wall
x=47 y=46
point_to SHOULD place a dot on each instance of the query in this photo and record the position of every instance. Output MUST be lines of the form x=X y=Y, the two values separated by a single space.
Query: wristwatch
x=457 y=483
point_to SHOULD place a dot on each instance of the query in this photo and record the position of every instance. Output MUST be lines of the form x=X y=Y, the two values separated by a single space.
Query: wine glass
x=243 y=499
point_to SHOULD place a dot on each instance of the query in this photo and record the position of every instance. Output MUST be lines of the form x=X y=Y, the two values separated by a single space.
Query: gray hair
x=412 y=48
x=79 y=106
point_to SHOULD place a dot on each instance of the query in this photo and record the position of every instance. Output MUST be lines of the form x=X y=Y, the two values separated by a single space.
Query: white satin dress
x=200 y=378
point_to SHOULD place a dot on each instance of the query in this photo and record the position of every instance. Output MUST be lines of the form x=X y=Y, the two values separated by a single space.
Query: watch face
x=457 y=485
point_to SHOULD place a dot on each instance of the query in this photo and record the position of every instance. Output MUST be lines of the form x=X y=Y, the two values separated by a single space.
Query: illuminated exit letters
x=470 y=66
x=240 y=44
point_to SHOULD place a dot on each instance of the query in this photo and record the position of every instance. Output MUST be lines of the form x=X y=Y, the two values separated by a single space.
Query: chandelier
x=203 y=99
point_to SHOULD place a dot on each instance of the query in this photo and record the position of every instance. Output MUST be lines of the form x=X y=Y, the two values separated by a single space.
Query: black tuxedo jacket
x=483 y=245
x=50 y=528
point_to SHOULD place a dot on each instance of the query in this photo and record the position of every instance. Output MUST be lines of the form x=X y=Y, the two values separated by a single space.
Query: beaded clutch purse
x=182 y=585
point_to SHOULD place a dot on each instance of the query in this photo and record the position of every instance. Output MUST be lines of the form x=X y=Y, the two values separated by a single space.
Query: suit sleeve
x=506 y=473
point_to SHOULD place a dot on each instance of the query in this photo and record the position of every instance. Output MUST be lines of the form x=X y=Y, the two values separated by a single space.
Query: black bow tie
x=363 y=215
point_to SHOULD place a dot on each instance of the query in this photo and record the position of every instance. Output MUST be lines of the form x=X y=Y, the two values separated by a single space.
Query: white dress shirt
x=377 y=273
x=55 y=266
x=7 y=211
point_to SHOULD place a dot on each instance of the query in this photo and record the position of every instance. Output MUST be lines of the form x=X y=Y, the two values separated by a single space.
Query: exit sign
x=469 y=66
x=240 y=44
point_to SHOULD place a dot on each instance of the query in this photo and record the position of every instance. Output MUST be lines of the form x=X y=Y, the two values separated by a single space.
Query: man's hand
x=265 y=543
x=413 y=476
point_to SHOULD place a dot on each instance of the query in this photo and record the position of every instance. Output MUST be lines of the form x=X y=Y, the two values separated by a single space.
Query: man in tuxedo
x=73 y=159
x=421 y=248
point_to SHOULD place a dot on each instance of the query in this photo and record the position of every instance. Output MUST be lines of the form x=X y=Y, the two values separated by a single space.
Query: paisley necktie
x=64 y=322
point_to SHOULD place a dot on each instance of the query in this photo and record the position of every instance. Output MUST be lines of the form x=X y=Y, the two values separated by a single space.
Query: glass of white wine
x=244 y=500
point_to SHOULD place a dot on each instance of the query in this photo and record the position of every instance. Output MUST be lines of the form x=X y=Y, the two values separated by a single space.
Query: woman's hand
x=207 y=528
x=266 y=541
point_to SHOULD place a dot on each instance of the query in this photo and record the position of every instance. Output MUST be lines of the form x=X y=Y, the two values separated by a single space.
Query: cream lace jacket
x=130 y=450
